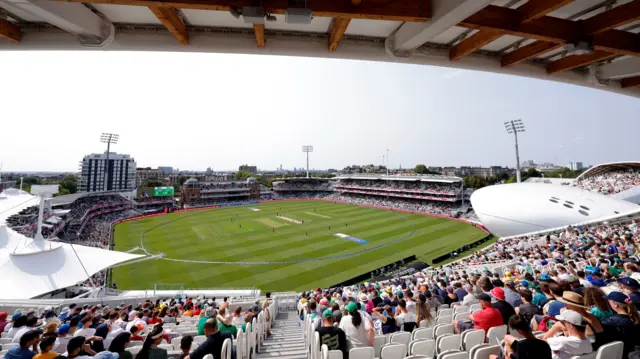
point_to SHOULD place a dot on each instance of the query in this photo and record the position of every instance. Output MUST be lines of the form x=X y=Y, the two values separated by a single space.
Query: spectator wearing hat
x=27 y=347
x=484 y=319
x=331 y=336
x=3 y=321
x=505 y=309
x=359 y=332
x=630 y=287
x=19 y=322
x=625 y=311
x=63 y=338
x=574 y=341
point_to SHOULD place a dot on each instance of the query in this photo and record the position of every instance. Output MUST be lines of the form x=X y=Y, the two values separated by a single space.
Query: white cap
x=572 y=317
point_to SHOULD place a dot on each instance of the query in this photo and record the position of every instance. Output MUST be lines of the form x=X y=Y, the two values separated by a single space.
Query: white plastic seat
x=423 y=347
x=585 y=356
x=401 y=338
x=378 y=342
x=200 y=339
x=471 y=338
x=209 y=356
x=167 y=347
x=461 y=316
x=485 y=352
x=443 y=312
x=330 y=354
x=442 y=355
x=610 y=351
x=176 y=342
x=5 y=340
x=134 y=350
x=461 y=309
x=454 y=355
x=425 y=323
x=473 y=350
x=136 y=343
x=417 y=357
x=444 y=319
x=475 y=306
x=241 y=345
x=193 y=333
x=448 y=342
x=499 y=332
x=442 y=329
x=226 y=349
x=434 y=313
x=392 y=351
x=361 y=353
x=444 y=305
x=315 y=347
x=422 y=333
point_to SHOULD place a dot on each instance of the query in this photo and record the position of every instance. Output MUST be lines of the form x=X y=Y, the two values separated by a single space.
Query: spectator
x=526 y=310
x=385 y=315
x=224 y=323
x=423 y=311
x=3 y=321
x=185 y=345
x=599 y=306
x=529 y=347
x=574 y=341
x=63 y=338
x=78 y=349
x=135 y=330
x=19 y=323
x=630 y=287
x=625 y=311
x=150 y=348
x=469 y=299
x=238 y=319
x=119 y=345
x=27 y=348
x=85 y=329
x=450 y=297
x=511 y=296
x=331 y=336
x=505 y=309
x=405 y=320
x=484 y=319
x=32 y=323
x=46 y=348
x=213 y=344
x=359 y=334
x=204 y=316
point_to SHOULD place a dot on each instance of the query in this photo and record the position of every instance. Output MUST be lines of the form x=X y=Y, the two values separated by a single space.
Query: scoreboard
x=162 y=191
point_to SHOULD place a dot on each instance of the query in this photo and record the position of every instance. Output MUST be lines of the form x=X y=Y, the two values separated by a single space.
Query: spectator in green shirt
x=204 y=315
x=247 y=320
x=224 y=322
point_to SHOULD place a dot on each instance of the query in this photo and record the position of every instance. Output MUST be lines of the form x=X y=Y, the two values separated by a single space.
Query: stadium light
x=513 y=127
x=307 y=150
x=108 y=138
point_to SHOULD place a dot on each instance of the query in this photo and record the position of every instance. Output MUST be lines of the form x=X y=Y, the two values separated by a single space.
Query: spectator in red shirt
x=488 y=317
x=3 y=321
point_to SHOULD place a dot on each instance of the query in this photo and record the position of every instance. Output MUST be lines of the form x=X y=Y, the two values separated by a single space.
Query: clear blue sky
x=192 y=111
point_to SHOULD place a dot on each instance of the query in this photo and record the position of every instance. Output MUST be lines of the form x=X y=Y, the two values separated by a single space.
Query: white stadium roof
x=29 y=267
x=593 y=43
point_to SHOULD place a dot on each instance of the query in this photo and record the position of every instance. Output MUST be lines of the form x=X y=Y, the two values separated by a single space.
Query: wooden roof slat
x=258 y=30
x=170 y=19
x=630 y=82
x=574 y=61
x=338 y=27
x=613 y=18
x=10 y=31
x=527 y=52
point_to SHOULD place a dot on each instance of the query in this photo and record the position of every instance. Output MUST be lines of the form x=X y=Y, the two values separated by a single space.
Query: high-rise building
x=576 y=166
x=96 y=175
x=247 y=168
x=166 y=170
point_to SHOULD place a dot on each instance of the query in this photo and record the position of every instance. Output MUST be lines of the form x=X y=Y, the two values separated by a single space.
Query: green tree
x=68 y=185
x=243 y=175
x=153 y=182
x=420 y=169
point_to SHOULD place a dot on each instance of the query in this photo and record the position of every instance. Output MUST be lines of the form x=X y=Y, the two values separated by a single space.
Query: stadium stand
x=611 y=182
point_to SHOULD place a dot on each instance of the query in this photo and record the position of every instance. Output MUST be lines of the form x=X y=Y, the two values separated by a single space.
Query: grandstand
x=194 y=193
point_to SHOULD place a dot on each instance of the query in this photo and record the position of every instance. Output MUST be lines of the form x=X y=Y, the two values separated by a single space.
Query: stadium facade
x=107 y=172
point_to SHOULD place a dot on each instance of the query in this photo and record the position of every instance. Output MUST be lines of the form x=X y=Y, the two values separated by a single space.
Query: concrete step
x=280 y=346
x=279 y=353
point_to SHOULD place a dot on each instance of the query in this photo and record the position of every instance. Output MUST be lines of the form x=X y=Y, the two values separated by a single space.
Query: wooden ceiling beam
x=531 y=10
x=575 y=61
x=528 y=52
x=258 y=30
x=10 y=31
x=411 y=11
x=630 y=82
x=170 y=19
x=610 y=19
x=338 y=27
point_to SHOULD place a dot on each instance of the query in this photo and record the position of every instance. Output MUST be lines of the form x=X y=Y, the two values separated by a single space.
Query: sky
x=194 y=110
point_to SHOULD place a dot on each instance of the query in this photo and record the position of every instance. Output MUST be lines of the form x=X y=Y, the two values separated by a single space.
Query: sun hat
x=572 y=317
x=572 y=298
x=351 y=307
x=498 y=293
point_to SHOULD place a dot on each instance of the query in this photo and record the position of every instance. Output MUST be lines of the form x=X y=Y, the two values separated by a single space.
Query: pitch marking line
x=253 y=209
x=317 y=214
x=351 y=238
x=270 y=223
x=290 y=219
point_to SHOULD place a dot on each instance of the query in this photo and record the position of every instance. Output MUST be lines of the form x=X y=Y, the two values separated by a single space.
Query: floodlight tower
x=307 y=150
x=515 y=127
x=108 y=138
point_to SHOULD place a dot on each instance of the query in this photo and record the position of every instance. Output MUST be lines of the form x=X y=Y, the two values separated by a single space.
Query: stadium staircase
x=285 y=341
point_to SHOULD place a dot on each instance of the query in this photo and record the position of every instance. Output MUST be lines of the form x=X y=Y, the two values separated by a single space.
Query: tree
x=420 y=169
x=68 y=185
x=242 y=175
x=153 y=182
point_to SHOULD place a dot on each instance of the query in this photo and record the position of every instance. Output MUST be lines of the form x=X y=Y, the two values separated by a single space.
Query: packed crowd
x=409 y=186
x=101 y=332
x=84 y=205
x=577 y=290
x=439 y=208
x=611 y=182
x=26 y=222
x=240 y=185
x=302 y=186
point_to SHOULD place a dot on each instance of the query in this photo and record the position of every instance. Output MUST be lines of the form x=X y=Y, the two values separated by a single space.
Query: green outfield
x=293 y=234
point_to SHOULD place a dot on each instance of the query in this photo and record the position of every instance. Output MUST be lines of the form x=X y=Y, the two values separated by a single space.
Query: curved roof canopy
x=608 y=167
x=592 y=43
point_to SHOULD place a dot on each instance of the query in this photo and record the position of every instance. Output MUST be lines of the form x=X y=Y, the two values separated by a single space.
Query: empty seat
x=442 y=329
x=417 y=357
x=167 y=347
x=392 y=351
x=586 y=356
x=378 y=342
x=460 y=309
x=423 y=347
x=443 y=312
x=475 y=306
x=610 y=351
x=444 y=319
x=461 y=316
x=444 y=305
x=499 y=332
x=330 y=354
x=422 y=333
x=134 y=350
x=471 y=338
x=401 y=338
x=361 y=353
x=135 y=343
x=176 y=342
x=226 y=349
x=486 y=351
x=442 y=355
x=454 y=355
x=448 y=342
